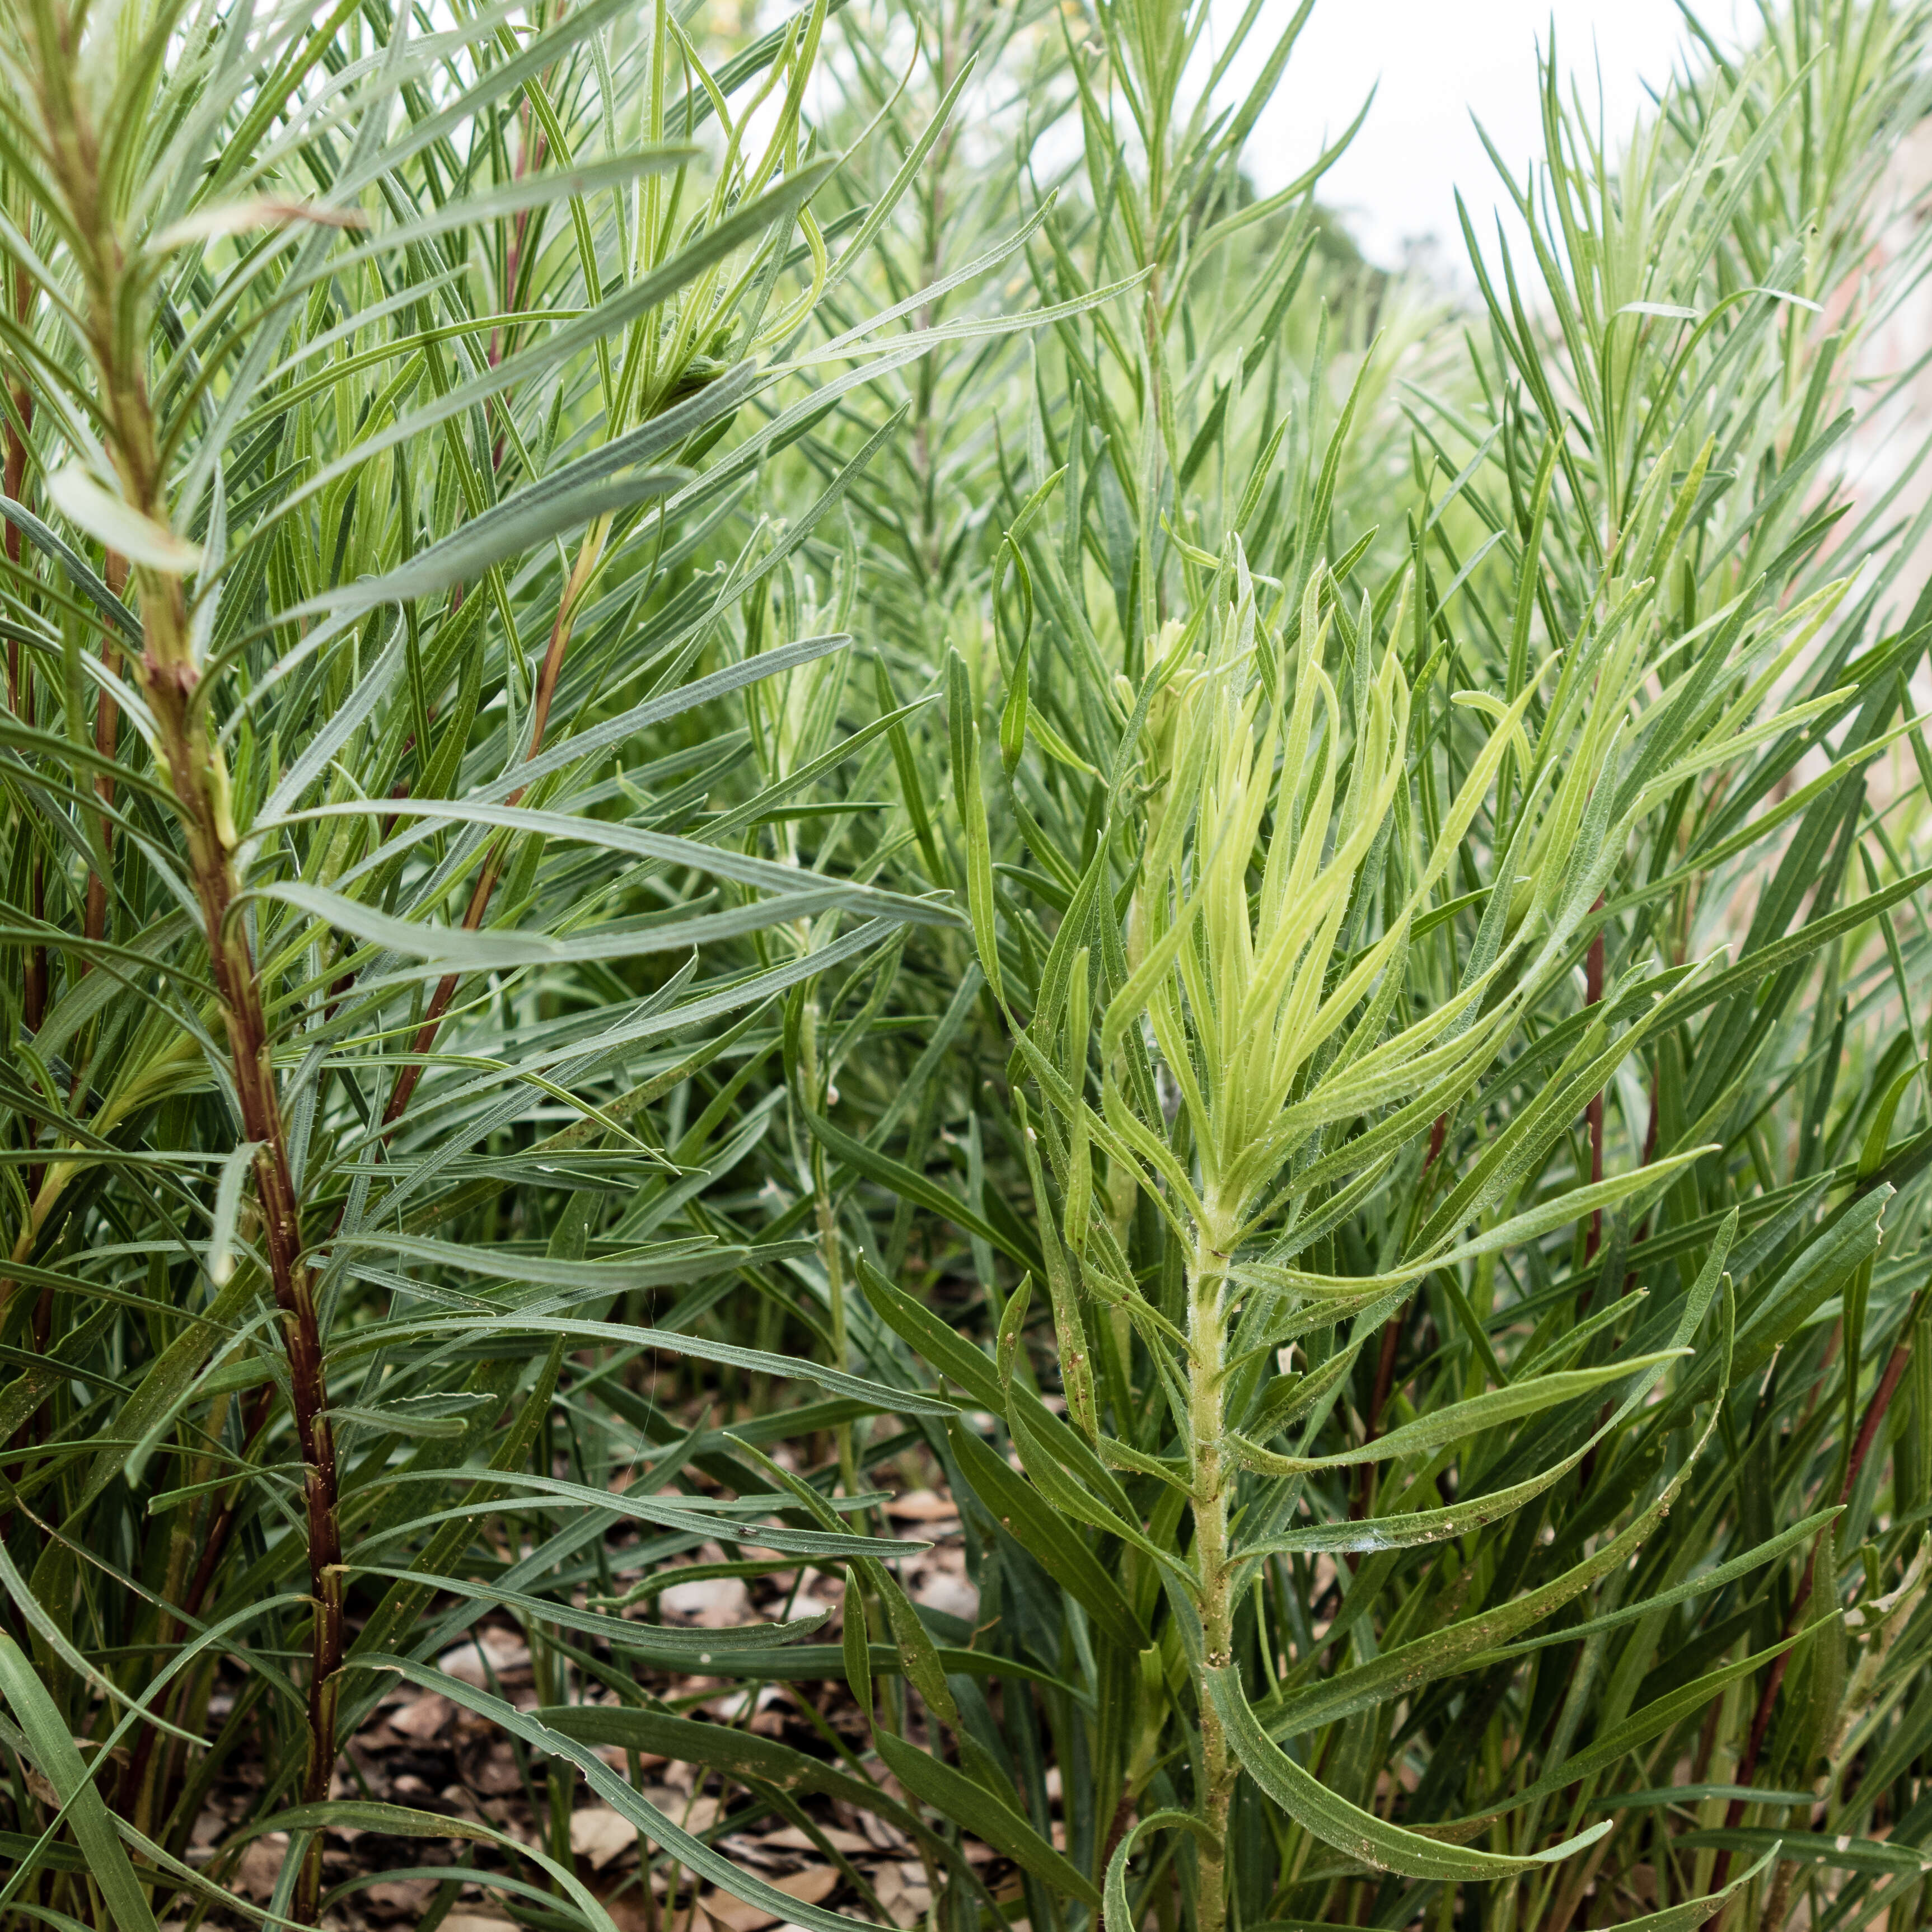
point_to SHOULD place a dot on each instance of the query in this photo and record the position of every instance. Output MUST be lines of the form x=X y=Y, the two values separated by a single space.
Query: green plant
x=362 y=381
x=677 y=723
x=1464 y=1122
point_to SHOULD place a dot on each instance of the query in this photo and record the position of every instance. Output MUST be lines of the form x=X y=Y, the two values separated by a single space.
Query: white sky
x=1437 y=60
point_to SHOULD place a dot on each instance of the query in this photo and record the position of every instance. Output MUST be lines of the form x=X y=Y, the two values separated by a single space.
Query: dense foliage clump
x=745 y=768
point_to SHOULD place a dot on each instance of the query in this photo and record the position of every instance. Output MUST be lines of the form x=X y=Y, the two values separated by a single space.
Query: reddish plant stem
x=1707 y=1742
x=1117 y=1830
x=34 y=995
x=169 y=684
x=34 y=971
x=33 y=1009
x=1587 y=1468
x=1385 y=1382
x=198 y=781
x=190 y=760
x=407 y=1081
x=529 y=154
x=218 y=1530
x=1874 y=1418
x=1593 y=1118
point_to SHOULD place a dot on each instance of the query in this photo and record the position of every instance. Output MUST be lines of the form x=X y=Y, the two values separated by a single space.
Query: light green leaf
x=115 y=523
x=60 y=1763
x=1460 y=1421
x=1330 y=1817
x=227 y=1206
x=1118 y=1912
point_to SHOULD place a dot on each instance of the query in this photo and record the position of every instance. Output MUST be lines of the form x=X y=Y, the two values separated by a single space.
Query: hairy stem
x=1207 y=1275
x=190 y=760
x=199 y=782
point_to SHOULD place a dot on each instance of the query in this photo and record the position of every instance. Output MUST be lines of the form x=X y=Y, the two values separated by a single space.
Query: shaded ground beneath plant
x=423 y=1750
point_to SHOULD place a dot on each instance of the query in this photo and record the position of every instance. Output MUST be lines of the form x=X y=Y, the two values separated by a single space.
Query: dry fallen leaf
x=497 y=1774
x=601 y=1835
x=696 y=1815
x=712 y=1602
x=733 y=1915
x=903 y=1892
x=422 y=1718
x=923 y=1506
x=619 y=1759
x=791 y=1839
x=628 y=1914
x=887 y=1837
x=402 y=1894
x=943 y=1589
x=260 y=1865
x=508 y=1655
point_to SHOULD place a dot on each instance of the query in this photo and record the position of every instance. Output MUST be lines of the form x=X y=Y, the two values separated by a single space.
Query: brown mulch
x=421 y=1750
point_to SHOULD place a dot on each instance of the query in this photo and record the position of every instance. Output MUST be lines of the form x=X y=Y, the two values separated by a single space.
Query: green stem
x=830 y=1254
x=1208 y=1341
